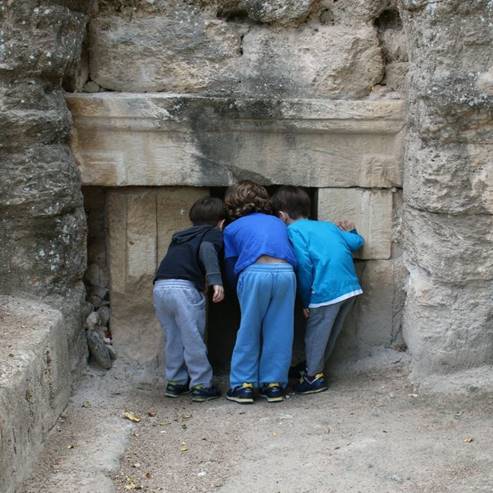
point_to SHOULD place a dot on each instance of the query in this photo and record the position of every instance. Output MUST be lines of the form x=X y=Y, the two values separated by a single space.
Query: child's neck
x=290 y=220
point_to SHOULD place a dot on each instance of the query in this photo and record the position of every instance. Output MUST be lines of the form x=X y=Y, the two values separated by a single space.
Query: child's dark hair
x=246 y=197
x=293 y=201
x=207 y=210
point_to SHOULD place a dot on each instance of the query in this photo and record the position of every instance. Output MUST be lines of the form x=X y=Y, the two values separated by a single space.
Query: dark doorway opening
x=223 y=319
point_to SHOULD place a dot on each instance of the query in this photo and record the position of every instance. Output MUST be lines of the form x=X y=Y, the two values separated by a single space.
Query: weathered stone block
x=323 y=61
x=280 y=11
x=35 y=383
x=157 y=140
x=450 y=248
x=370 y=210
x=447 y=326
x=186 y=51
x=140 y=224
x=452 y=178
x=181 y=52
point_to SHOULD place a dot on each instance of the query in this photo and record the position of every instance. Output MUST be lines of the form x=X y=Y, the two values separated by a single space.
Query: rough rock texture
x=35 y=383
x=186 y=48
x=448 y=187
x=42 y=221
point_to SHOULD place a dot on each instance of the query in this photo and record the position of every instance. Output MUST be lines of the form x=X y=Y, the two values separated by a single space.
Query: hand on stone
x=218 y=293
x=346 y=225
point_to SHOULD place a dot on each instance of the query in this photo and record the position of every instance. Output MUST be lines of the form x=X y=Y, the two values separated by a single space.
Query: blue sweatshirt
x=251 y=236
x=325 y=271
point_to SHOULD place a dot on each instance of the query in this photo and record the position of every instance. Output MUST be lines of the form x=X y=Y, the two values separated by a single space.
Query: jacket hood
x=190 y=233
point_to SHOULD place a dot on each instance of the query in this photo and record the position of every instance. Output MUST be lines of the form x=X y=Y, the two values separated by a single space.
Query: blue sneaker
x=201 y=393
x=174 y=389
x=273 y=392
x=243 y=394
x=311 y=385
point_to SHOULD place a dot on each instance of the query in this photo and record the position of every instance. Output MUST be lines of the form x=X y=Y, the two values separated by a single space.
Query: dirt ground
x=368 y=433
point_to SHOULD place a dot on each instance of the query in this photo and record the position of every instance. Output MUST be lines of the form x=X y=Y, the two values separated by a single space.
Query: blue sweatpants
x=264 y=343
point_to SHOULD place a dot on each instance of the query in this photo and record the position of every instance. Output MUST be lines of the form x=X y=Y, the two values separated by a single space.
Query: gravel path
x=368 y=433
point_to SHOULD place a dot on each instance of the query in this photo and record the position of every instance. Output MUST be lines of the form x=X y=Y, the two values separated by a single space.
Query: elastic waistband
x=174 y=283
x=281 y=266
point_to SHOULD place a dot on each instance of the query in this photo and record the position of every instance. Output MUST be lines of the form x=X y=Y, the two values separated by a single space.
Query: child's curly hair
x=246 y=197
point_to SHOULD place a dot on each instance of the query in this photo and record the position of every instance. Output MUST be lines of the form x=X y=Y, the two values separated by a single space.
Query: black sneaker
x=243 y=394
x=174 y=389
x=273 y=392
x=311 y=385
x=201 y=393
x=298 y=370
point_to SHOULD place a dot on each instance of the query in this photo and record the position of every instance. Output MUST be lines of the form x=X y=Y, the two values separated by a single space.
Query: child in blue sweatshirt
x=257 y=248
x=327 y=280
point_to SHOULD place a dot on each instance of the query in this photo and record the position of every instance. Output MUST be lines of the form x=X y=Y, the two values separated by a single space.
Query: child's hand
x=306 y=312
x=346 y=225
x=218 y=293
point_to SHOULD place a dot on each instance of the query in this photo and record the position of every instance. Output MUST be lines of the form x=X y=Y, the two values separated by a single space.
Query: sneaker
x=201 y=393
x=311 y=385
x=174 y=389
x=243 y=394
x=273 y=392
x=298 y=370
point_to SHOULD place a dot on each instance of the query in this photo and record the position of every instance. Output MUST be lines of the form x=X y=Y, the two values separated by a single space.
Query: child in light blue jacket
x=327 y=281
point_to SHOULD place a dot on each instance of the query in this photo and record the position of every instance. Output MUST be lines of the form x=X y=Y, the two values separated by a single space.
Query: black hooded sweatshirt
x=193 y=255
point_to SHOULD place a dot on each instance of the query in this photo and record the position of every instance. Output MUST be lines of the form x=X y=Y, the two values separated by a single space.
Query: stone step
x=35 y=383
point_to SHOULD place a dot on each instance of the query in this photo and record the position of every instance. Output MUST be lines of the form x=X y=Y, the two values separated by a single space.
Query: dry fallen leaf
x=131 y=417
x=183 y=447
x=70 y=446
x=148 y=475
x=468 y=440
x=152 y=413
x=130 y=484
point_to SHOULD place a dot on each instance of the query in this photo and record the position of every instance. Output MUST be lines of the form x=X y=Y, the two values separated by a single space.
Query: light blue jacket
x=325 y=269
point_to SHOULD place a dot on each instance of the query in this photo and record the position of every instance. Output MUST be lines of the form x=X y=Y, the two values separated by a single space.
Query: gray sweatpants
x=322 y=330
x=180 y=308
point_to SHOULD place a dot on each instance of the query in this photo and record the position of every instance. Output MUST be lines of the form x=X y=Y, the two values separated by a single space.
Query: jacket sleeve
x=353 y=239
x=209 y=257
x=304 y=271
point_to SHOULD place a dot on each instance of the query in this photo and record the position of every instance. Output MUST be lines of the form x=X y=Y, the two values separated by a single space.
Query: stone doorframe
x=156 y=153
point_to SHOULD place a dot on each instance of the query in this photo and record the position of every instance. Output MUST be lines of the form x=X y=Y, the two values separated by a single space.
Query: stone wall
x=448 y=185
x=41 y=216
x=291 y=92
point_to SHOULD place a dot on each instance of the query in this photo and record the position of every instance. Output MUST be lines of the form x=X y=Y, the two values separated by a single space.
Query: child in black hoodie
x=190 y=264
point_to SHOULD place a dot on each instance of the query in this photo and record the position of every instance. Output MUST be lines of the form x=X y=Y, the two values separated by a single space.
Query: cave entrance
x=223 y=319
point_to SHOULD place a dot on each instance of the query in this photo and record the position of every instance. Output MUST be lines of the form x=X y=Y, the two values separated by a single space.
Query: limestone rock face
x=42 y=223
x=182 y=52
x=35 y=383
x=328 y=61
x=189 y=50
x=282 y=11
x=448 y=187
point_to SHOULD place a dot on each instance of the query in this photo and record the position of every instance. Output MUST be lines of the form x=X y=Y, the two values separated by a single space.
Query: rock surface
x=35 y=383
x=448 y=186
x=162 y=140
x=187 y=50
x=42 y=223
